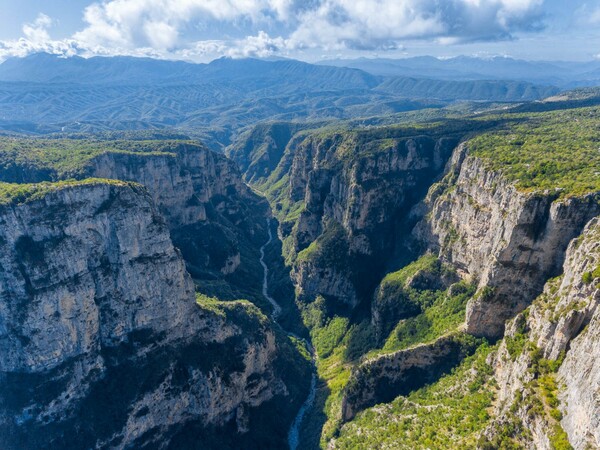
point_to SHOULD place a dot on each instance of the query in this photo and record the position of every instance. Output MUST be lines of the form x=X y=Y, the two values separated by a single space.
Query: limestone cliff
x=383 y=378
x=547 y=365
x=213 y=217
x=511 y=241
x=355 y=194
x=102 y=343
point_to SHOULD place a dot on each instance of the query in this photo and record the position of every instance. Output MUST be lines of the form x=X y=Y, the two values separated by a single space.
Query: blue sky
x=201 y=30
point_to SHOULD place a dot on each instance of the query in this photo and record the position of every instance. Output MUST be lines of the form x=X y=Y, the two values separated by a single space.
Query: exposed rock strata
x=366 y=189
x=212 y=214
x=511 y=241
x=213 y=217
x=102 y=343
x=381 y=379
x=562 y=327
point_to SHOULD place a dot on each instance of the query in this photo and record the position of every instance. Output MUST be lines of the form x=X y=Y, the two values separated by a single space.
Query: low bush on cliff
x=447 y=414
x=555 y=150
x=424 y=285
x=14 y=193
x=446 y=313
x=25 y=160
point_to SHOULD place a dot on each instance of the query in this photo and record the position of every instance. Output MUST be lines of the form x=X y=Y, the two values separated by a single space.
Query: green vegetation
x=55 y=159
x=538 y=399
x=556 y=151
x=548 y=388
x=506 y=435
x=30 y=168
x=447 y=414
x=329 y=249
x=588 y=277
x=241 y=309
x=420 y=291
x=428 y=263
x=441 y=314
x=338 y=345
x=516 y=343
x=13 y=193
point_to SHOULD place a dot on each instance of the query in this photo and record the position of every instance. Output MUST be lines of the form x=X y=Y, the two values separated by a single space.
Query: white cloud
x=37 y=31
x=379 y=23
x=261 y=46
x=37 y=39
x=170 y=28
x=157 y=22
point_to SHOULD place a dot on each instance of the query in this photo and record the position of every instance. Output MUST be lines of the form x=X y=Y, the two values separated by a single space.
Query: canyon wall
x=356 y=198
x=102 y=342
x=550 y=355
x=510 y=241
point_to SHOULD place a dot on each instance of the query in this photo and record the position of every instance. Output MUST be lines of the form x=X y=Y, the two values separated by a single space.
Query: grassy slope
x=14 y=193
x=447 y=414
x=66 y=157
x=550 y=150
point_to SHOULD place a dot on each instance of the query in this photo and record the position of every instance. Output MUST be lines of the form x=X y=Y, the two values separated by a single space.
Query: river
x=294 y=432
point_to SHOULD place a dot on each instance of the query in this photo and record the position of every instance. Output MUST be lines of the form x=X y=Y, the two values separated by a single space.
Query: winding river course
x=294 y=433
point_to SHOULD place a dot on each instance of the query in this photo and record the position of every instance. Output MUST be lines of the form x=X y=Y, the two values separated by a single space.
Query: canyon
x=314 y=286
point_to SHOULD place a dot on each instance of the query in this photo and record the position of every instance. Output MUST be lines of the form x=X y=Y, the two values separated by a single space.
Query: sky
x=310 y=30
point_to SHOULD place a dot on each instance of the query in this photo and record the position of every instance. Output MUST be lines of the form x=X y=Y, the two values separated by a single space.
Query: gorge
x=422 y=281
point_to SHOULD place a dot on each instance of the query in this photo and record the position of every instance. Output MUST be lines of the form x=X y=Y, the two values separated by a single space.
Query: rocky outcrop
x=184 y=179
x=212 y=214
x=395 y=298
x=509 y=240
x=213 y=217
x=102 y=343
x=551 y=356
x=365 y=189
x=259 y=150
x=383 y=378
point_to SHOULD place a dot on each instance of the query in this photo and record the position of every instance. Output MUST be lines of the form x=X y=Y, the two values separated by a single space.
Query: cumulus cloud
x=156 y=23
x=36 y=38
x=38 y=30
x=201 y=28
x=261 y=46
x=378 y=24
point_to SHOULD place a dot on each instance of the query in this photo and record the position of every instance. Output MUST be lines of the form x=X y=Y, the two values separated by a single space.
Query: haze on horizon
x=202 y=30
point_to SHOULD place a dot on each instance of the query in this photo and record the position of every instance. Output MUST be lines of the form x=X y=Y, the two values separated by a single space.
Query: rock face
x=510 y=241
x=359 y=192
x=560 y=327
x=185 y=180
x=213 y=216
x=102 y=343
x=384 y=378
x=259 y=150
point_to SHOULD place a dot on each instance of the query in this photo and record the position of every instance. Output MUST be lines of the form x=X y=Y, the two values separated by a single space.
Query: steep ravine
x=356 y=206
x=294 y=432
x=511 y=241
x=104 y=344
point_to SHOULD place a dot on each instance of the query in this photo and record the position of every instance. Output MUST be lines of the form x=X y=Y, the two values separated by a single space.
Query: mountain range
x=46 y=93
x=558 y=73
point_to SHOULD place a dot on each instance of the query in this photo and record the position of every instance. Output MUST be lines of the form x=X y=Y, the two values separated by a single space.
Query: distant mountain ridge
x=46 y=68
x=45 y=93
x=558 y=73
